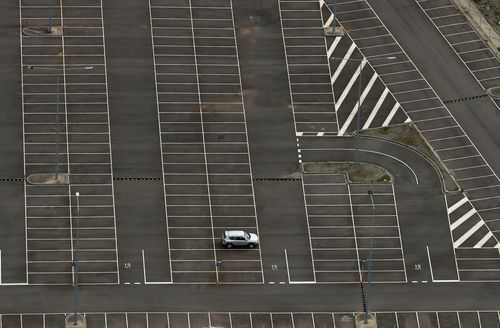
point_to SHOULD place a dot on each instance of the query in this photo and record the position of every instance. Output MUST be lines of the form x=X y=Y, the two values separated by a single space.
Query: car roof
x=234 y=233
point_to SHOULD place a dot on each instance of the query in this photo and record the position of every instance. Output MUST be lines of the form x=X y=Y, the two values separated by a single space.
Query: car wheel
x=229 y=245
x=251 y=245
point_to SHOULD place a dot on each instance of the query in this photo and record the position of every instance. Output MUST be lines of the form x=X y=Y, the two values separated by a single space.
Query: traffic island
x=48 y=179
x=493 y=92
x=356 y=172
x=408 y=135
x=371 y=321
x=334 y=31
x=43 y=30
x=69 y=321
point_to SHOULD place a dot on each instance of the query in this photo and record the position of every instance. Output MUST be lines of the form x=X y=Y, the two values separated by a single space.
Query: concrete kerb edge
x=427 y=158
x=434 y=165
x=438 y=159
x=493 y=92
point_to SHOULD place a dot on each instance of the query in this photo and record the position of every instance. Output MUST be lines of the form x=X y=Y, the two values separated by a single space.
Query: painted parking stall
x=478 y=264
x=75 y=60
x=464 y=40
x=207 y=173
x=258 y=319
x=477 y=250
x=341 y=223
x=308 y=69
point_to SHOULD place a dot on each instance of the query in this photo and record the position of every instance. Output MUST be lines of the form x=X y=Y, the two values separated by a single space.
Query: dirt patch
x=491 y=11
x=407 y=134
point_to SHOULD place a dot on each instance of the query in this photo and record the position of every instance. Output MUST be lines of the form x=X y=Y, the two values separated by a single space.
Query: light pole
x=334 y=14
x=358 y=116
x=370 y=256
x=362 y=62
x=57 y=140
x=49 y=29
x=76 y=260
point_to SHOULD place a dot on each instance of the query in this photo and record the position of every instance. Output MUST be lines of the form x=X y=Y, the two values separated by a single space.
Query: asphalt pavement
x=137 y=158
x=416 y=182
x=273 y=148
x=194 y=116
x=11 y=145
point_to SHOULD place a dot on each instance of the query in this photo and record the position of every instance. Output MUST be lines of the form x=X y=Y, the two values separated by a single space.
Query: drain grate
x=464 y=99
x=158 y=179
x=12 y=180
x=277 y=179
x=137 y=179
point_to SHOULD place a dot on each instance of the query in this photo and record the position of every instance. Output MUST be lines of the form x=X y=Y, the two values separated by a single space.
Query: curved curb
x=428 y=159
x=438 y=167
x=43 y=31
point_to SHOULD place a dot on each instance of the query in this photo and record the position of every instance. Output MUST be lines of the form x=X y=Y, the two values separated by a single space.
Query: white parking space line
x=323 y=230
x=358 y=104
x=462 y=219
x=332 y=48
x=72 y=84
x=391 y=114
x=375 y=110
x=342 y=63
x=267 y=319
x=477 y=38
x=234 y=159
x=469 y=233
x=483 y=240
x=457 y=205
x=476 y=177
x=484 y=198
x=350 y=84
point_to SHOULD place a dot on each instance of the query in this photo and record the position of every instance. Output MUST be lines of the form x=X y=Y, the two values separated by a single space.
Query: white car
x=232 y=238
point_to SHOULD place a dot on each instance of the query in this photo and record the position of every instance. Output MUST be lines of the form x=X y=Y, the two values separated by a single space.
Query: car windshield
x=247 y=235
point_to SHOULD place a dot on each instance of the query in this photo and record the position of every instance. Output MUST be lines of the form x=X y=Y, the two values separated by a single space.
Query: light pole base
x=42 y=30
x=69 y=321
x=359 y=319
x=48 y=179
x=331 y=31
